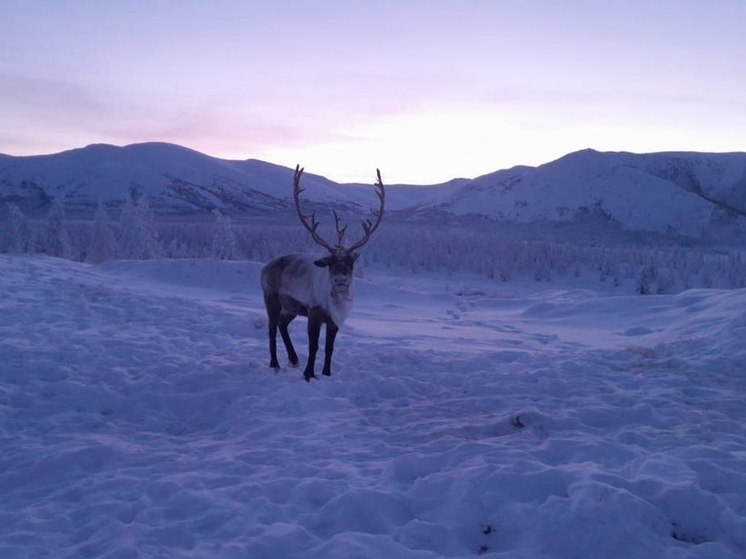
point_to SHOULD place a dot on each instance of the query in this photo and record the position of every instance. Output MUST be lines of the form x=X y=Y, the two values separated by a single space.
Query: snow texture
x=138 y=418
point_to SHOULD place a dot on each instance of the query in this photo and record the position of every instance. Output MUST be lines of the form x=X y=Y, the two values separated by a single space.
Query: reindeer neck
x=341 y=296
x=340 y=305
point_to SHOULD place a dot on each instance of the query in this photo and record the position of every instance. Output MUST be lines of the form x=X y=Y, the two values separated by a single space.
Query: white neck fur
x=340 y=305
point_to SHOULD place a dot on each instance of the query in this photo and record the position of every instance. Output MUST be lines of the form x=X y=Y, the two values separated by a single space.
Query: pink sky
x=426 y=90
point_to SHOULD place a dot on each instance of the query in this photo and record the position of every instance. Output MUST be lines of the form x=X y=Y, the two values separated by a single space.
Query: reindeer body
x=304 y=285
x=300 y=285
x=319 y=288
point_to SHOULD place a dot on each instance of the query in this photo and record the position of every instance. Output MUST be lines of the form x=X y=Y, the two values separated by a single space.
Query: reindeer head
x=340 y=265
x=341 y=260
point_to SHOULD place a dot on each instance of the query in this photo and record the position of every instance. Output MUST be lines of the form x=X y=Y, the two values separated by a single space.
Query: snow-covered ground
x=138 y=418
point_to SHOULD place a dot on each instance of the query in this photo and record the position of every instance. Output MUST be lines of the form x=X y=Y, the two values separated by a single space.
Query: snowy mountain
x=171 y=177
x=681 y=193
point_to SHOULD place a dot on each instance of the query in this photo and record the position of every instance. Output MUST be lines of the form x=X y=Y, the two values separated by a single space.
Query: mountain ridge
x=667 y=192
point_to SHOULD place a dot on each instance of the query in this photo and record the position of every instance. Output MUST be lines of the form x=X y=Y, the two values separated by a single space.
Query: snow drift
x=139 y=419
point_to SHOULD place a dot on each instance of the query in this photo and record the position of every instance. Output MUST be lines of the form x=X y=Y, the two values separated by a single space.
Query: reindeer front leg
x=315 y=320
x=331 y=334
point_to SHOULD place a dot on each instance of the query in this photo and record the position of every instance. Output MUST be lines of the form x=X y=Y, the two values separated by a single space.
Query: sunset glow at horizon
x=425 y=90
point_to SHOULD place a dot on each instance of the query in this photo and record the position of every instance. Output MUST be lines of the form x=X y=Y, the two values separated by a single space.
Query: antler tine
x=310 y=227
x=340 y=232
x=368 y=226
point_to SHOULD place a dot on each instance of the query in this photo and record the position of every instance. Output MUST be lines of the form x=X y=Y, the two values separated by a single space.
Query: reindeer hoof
x=308 y=377
x=326 y=373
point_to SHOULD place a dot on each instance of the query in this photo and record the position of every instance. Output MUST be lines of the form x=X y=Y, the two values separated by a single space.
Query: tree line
x=414 y=248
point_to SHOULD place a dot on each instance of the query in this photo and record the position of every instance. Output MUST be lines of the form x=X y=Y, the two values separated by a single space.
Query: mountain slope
x=683 y=193
x=172 y=178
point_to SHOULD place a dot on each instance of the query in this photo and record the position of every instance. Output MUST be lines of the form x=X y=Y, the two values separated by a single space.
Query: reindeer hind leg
x=274 y=310
x=285 y=320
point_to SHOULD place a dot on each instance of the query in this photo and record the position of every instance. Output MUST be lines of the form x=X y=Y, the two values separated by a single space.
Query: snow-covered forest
x=485 y=249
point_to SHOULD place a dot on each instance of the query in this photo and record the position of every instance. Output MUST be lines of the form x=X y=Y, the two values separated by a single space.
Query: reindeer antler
x=368 y=226
x=340 y=232
x=313 y=225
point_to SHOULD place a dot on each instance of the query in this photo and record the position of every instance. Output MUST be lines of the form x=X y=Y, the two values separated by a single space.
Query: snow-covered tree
x=103 y=243
x=57 y=239
x=542 y=272
x=138 y=235
x=647 y=282
x=224 y=245
x=15 y=231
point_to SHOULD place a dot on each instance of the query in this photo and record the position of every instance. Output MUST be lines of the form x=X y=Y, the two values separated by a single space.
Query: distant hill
x=680 y=193
x=172 y=178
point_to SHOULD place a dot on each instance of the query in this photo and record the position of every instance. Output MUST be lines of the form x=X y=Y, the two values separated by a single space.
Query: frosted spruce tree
x=224 y=245
x=15 y=230
x=103 y=241
x=57 y=239
x=138 y=236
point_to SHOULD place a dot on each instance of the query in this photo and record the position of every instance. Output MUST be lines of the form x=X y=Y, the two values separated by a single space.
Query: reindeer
x=319 y=288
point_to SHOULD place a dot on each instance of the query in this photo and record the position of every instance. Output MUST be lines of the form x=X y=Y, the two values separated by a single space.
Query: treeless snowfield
x=464 y=418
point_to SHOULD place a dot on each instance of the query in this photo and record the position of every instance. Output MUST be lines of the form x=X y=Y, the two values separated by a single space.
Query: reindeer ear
x=323 y=262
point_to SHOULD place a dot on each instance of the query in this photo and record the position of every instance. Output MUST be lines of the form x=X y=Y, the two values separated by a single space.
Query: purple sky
x=426 y=90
